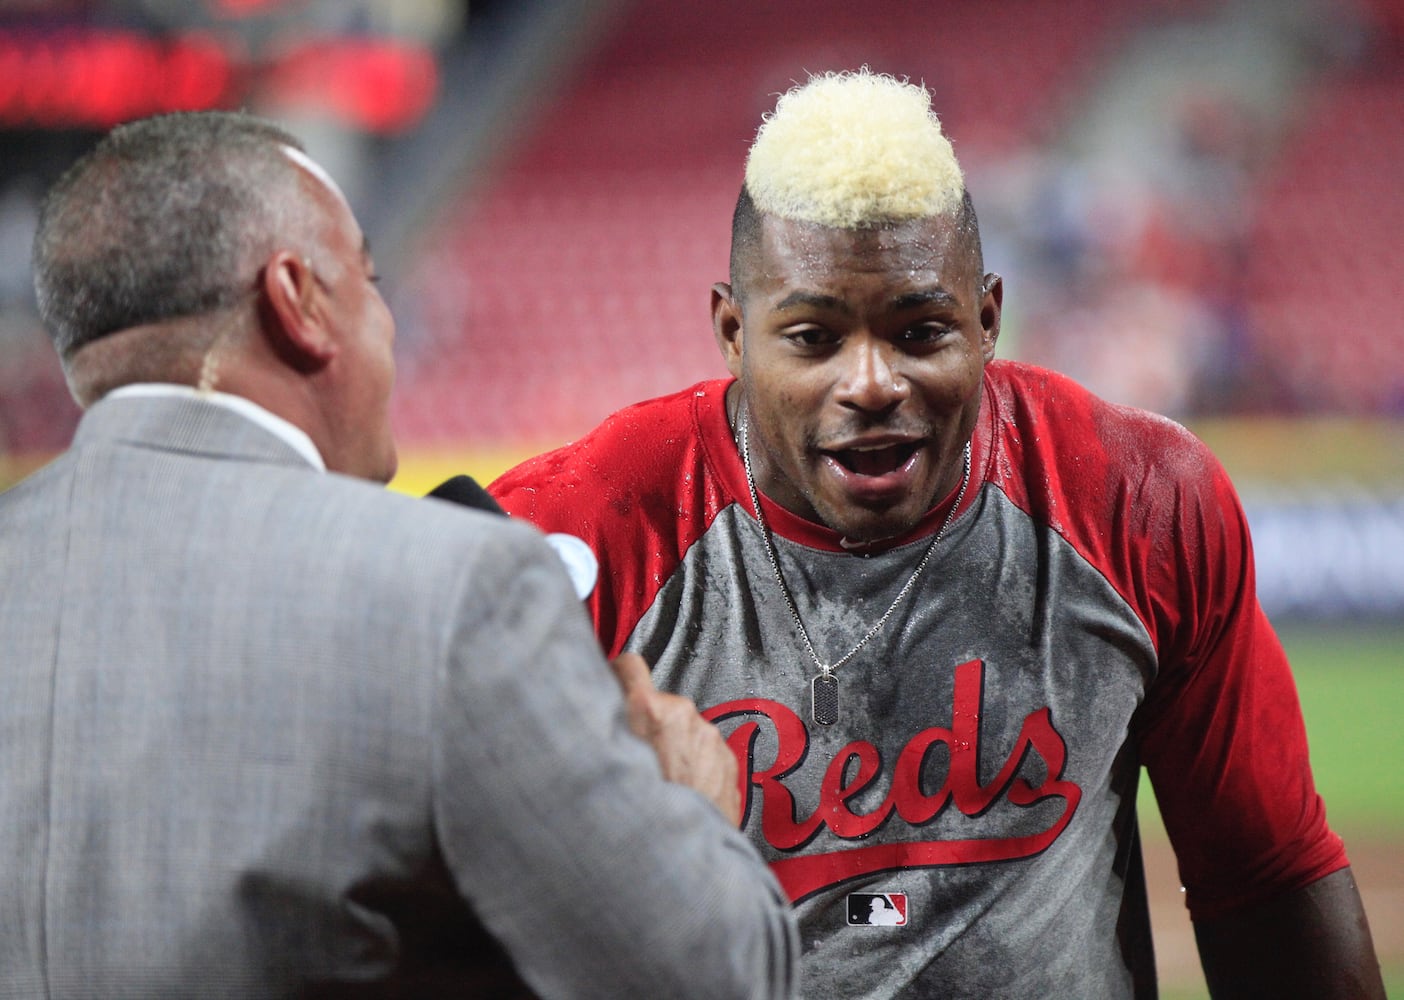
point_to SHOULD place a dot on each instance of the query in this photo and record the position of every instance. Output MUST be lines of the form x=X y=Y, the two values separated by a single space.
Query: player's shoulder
x=634 y=452
x=1079 y=463
x=1043 y=413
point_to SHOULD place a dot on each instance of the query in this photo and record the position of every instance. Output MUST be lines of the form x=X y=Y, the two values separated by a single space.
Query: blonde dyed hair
x=853 y=150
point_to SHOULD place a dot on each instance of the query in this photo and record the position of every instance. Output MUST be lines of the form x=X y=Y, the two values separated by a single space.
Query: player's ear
x=991 y=310
x=294 y=317
x=726 y=326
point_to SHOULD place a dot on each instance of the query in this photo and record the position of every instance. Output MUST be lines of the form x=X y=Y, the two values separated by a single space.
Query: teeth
x=872 y=447
x=874 y=460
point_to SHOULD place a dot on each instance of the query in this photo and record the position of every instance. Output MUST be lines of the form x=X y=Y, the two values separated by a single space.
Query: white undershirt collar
x=271 y=422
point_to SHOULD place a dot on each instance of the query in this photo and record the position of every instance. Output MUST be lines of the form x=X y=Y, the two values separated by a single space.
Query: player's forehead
x=793 y=256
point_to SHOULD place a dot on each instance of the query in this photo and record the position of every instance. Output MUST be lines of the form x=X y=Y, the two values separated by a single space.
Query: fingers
x=631 y=670
x=718 y=773
x=690 y=750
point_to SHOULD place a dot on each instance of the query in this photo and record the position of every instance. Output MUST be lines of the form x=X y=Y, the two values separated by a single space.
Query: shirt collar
x=271 y=422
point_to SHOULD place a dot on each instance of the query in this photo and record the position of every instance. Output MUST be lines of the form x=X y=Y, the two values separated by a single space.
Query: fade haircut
x=852 y=150
x=165 y=217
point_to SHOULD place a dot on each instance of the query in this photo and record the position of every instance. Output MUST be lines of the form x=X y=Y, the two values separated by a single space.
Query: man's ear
x=726 y=326
x=294 y=317
x=991 y=311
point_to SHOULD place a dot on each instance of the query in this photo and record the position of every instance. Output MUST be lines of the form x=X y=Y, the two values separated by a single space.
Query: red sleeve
x=1220 y=731
x=638 y=489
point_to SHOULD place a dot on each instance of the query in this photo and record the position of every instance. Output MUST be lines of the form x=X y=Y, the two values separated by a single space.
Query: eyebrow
x=909 y=300
x=929 y=297
x=814 y=300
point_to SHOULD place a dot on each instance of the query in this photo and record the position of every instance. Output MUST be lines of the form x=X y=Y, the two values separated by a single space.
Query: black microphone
x=580 y=562
x=466 y=491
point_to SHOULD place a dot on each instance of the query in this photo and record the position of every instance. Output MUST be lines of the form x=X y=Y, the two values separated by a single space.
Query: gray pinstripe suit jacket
x=267 y=732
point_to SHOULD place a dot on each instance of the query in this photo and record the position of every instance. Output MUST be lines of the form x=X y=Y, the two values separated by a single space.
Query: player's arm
x=1274 y=904
x=1275 y=907
x=1313 y=942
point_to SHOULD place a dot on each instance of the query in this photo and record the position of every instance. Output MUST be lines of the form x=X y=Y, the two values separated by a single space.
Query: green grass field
x=1351 y=682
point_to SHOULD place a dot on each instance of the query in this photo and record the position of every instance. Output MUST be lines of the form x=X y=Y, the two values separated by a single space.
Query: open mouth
x=874 y=461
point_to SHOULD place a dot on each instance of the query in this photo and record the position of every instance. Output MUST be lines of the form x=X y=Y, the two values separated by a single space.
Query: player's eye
x=924 y=333
x=811 y=337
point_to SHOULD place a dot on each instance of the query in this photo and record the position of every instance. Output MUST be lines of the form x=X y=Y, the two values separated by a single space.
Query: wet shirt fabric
x=967 y=827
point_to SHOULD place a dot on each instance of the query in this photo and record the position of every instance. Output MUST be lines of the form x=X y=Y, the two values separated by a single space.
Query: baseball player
x=945 y=607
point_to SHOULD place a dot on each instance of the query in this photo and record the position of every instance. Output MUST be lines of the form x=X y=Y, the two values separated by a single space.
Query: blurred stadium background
x=1196 y=204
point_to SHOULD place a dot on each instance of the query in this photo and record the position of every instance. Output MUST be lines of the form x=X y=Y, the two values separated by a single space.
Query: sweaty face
x=859 y=355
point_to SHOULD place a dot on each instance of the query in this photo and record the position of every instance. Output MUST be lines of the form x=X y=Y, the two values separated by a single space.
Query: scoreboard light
x=244 y=8
x=96 y=79
x=375 y=85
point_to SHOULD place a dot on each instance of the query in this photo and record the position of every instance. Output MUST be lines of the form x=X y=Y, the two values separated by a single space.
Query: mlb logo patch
x=877 y=909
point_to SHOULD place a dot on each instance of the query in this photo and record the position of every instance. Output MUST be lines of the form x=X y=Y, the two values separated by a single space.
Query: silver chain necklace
x=823 y=689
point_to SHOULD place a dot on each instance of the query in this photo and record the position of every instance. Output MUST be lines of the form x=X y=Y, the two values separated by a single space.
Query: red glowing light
x=95 y=79
x=245 y=8
x=378 y=85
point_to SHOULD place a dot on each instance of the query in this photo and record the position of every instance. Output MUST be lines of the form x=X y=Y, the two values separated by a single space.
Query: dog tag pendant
x=823 y=691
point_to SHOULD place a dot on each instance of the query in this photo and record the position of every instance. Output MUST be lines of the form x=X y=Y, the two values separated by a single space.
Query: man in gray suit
x=272 y=730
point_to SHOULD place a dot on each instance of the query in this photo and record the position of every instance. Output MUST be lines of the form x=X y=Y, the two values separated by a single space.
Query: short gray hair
x=166 y=217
